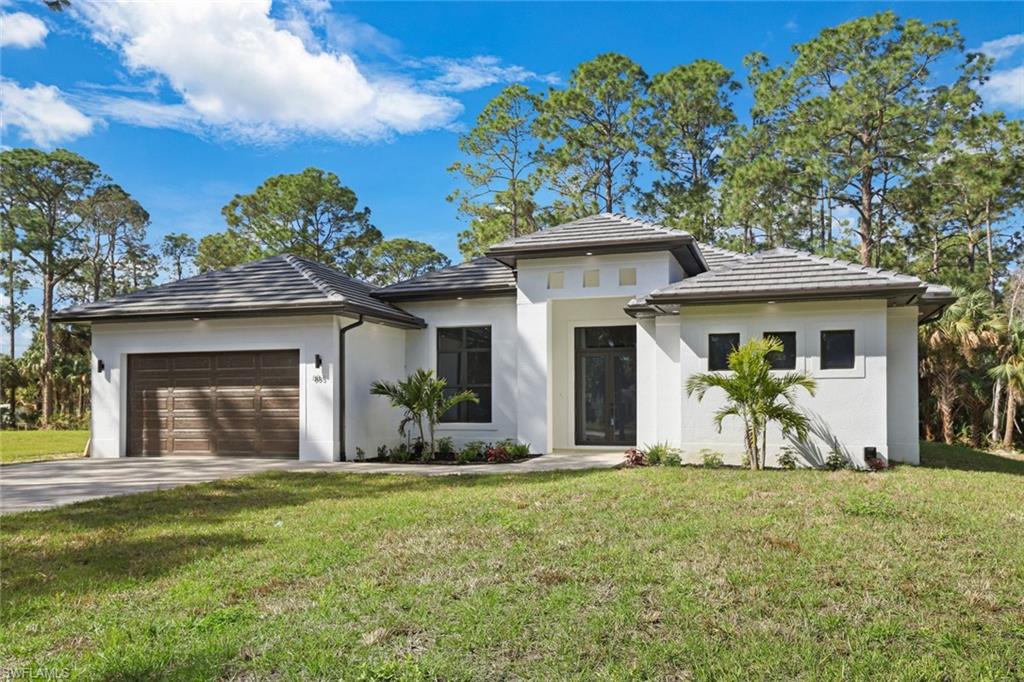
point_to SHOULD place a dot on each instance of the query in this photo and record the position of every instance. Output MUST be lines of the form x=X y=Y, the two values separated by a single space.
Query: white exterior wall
x=498 y=313
x=373 y=352
x=902 y=385
x=849 y=409
x=319 y=435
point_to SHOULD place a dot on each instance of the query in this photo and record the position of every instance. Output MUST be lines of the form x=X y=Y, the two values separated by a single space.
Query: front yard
x=34 y=446
x=669 y=573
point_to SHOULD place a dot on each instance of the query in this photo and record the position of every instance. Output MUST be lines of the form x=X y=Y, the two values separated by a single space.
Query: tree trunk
x=988 y=245
x=946 y=399
x=866 y=229
x=609 y=181
x=47 y=391
x=997 y=394
x=1011 y=419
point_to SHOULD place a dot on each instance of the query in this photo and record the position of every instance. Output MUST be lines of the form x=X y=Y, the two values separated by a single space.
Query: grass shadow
x=963 y=458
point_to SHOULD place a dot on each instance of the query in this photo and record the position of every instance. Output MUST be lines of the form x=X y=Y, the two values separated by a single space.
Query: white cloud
x=21 y=30
x=240 y=72
x=461 y=75
x=1001 y=48
x=41 y=113
x=1005 y=88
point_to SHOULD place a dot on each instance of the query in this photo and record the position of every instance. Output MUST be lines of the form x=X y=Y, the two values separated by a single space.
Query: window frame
x=821 y=350
x=738 y=343
x=462 y=410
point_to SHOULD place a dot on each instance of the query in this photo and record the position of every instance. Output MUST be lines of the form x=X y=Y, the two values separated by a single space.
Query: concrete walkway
x=43 y=485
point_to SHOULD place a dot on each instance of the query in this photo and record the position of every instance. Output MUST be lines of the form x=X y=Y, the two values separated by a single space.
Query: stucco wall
x=113 y=342
x=499 y=314
x=902 y=385
x=373 y=352
x=849 y=409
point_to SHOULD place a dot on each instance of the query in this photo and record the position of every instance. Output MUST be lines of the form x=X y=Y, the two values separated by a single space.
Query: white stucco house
x=579 y=336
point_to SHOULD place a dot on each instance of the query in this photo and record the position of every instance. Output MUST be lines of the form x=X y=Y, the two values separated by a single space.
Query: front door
x=606 y=385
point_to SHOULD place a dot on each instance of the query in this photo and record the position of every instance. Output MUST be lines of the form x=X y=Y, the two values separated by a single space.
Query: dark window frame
x=468 y=412
x=776 y=359
x=713 y=366
x=833 y=363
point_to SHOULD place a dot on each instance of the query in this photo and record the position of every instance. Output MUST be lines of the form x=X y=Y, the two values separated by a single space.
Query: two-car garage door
x=237 y=403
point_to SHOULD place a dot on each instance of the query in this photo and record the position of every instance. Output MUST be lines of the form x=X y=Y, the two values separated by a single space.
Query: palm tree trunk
x=1011 y=419
x=997 y=394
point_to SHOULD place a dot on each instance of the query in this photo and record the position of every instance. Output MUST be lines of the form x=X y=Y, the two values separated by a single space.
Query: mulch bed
x=385 y=460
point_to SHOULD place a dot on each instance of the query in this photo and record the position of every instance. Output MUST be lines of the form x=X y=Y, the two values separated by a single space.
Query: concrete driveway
x=43 y=485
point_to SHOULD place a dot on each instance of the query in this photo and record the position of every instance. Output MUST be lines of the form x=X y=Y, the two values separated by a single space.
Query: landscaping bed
x=445 y=452
x=448 y=462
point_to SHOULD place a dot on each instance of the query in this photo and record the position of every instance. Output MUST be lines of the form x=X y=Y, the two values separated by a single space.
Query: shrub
x=498 y=453
x=516 y=450
x=472 y=452
x=877 y=464
x=673 y=458
x=635 y=458
x=787 y=458
x=420 y=451
x=400 y=453
x=711 y=459
x=837 y=460
x=382 y=451
x=659 y=453
x=445 y=446
x=360 y=454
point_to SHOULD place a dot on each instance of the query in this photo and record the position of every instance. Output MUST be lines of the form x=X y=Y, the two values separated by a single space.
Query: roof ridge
x=301 y=265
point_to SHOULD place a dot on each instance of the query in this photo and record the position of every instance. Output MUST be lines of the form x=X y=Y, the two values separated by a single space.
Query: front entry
x=606 y=385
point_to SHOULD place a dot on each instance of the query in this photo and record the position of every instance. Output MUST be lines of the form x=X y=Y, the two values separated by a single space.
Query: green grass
x=669 y=573
x=31 y=446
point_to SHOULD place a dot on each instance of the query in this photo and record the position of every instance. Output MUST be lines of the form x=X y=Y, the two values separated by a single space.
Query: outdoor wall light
x=318 y=361
x=100 y=366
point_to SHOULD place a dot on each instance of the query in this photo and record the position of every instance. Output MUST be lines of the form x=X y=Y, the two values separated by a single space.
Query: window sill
x=466 y=426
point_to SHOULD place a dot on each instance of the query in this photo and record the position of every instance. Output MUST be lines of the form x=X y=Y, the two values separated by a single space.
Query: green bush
x=445 y=446
x=472 y=452
x=711 y=459
x=659 y=453
x=787 y=458
x=516 y=450
x=400 y=453
x=673 y=458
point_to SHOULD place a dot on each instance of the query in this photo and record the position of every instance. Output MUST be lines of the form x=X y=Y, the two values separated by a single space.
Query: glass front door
x=606 y=385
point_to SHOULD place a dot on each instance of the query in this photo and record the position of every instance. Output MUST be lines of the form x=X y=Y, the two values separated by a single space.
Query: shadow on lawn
x=962 y=458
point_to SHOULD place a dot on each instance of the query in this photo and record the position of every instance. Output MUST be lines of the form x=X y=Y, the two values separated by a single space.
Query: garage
x=243 y=403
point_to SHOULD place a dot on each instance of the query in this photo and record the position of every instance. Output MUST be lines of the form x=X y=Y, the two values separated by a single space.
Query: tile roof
x=600 y=233
x=718 y=257
x=786 y=273
x=478 y=277
x=283 y=284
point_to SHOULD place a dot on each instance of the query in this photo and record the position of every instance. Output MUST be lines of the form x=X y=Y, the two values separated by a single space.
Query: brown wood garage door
x=239 y=403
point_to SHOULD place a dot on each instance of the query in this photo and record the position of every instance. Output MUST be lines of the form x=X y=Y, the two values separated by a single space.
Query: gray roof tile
x=478 y=277
x=277 y=285
x=784 y=273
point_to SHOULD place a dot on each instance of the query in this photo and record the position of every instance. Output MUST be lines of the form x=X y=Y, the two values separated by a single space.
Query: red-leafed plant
x=635 y=458
x=877 y=464
x=498 y=453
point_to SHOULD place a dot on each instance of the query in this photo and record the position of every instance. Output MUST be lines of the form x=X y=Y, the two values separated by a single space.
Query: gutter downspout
x=341 y=377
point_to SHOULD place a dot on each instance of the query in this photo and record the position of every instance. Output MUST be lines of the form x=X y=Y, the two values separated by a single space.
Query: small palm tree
x=1011 y=373
x=422 y=396
x=757 y=396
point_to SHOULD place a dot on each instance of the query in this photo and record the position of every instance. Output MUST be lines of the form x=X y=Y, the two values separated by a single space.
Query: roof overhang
x=445 y=294
x=682 y=247
x=410 y=322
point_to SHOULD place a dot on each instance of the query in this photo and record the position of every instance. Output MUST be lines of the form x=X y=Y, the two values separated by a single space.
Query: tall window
x=837 y=349
x=719 y=347
x=787 y=358
x=464 y=361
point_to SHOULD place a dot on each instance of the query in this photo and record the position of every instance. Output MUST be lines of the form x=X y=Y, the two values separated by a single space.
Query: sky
x=185 y=104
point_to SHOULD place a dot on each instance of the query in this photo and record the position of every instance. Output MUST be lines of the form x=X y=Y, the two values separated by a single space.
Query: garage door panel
x=236 y=403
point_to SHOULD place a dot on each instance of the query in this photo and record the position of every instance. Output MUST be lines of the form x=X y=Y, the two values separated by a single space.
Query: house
x=579 y=336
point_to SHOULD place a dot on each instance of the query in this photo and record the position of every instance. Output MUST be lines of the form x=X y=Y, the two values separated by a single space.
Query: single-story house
x=575 y=337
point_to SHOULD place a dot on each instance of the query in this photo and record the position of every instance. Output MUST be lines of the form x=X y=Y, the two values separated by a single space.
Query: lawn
x=917 y=573
x=31 y=446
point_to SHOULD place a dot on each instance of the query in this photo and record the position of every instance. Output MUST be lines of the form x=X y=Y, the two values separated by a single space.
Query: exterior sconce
x=100 y=366
x=318 y=361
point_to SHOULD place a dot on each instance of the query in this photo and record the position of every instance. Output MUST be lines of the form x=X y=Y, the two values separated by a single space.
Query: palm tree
x=1011 y=373
x=757 y=395
x=951 y=347
x=423 y=397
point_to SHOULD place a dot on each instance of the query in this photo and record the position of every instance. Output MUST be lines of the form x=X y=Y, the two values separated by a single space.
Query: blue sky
x=186 y=105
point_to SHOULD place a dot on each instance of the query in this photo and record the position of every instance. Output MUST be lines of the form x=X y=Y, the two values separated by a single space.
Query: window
x=556 y=280
x=719 y=347
x=591 y=278
x=464 y=361
x=787 y=358
x=627 y=277
x=837 y=349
